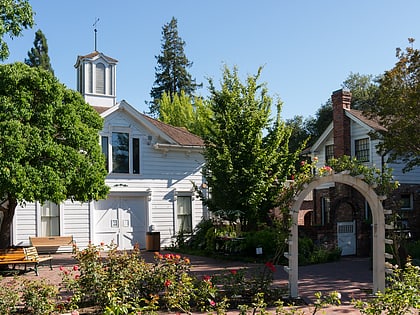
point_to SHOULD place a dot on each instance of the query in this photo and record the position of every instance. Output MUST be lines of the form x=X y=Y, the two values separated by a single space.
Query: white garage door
x=121 y=220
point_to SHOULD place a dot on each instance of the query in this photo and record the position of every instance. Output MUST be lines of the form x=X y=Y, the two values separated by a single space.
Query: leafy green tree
x=15 y=15
x=246 y=156
x=363 y=90
x=38 y=55
x=171 y=74
x=49 y=146
x=398 y=108
x=181 y=110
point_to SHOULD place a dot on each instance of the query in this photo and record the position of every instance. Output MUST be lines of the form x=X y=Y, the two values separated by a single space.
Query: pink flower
x=270 y=266
x=102 y=243
x=75 y=312
x=76 y=277
x=233 y=271
x=75 y=267
x=212 y=303
x=61 y=268
x=302 y=163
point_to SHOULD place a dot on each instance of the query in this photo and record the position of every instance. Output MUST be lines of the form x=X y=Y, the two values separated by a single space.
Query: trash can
x=153 y=241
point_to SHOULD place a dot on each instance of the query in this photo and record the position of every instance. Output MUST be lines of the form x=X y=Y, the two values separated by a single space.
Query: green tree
x=15 y=15
x=49 y=146
x=246 y=155
x=171 y=75
x=398 y=108
x=182 y=110
x=38 y=55
x=363 y=89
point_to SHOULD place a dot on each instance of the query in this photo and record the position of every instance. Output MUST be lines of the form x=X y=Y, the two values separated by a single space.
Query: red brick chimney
x=341 y=100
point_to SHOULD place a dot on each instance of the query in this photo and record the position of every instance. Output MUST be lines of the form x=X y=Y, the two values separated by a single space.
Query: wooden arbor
x=378 y=217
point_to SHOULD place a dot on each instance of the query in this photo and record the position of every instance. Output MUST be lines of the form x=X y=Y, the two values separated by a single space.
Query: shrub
x=39 y=297
x=9 y=296
x=401 y=295
x=266 y=238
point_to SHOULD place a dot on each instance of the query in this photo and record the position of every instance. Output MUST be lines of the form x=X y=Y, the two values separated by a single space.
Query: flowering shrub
x=39 y=297
x=8 y=296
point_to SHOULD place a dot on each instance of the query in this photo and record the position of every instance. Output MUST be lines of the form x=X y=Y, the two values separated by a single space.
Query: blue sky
x=308 y=48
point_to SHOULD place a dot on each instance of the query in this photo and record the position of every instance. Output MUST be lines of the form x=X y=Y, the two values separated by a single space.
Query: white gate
x=346 y=237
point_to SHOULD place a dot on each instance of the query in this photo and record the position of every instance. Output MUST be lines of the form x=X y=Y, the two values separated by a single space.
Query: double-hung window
x=50 y=219
x=361 y=149
x=329 y=153
x=184 y=214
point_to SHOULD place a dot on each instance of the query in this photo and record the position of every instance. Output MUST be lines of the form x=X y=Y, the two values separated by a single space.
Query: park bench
x=50 y=244
x=25 y=256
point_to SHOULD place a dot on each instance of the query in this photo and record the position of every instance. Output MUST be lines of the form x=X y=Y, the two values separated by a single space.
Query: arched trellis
x=378 y=217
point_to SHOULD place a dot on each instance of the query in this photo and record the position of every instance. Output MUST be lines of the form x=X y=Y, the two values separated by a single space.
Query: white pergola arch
x=378 y=218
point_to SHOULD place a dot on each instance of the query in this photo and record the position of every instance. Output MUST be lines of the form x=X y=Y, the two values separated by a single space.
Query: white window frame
x=49 y=205
x=176 y=204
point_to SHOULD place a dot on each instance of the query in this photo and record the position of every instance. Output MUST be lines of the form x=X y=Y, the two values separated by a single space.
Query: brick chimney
x=341 y=100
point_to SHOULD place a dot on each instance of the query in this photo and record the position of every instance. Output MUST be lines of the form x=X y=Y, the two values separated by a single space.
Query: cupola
x=96 y=79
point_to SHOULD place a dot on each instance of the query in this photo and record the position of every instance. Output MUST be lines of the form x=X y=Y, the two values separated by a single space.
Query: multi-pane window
x=118 y=160
x=50 y=219
x=184 y=214
x=100 y=78
x=361 y=147
x=406 y=201
x=329 y=153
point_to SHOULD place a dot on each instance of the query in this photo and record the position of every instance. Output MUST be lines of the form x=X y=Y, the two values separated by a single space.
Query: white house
x=151 y=167
x=340 y=214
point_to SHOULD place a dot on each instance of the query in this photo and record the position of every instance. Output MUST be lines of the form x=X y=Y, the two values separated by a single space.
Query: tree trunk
x=8 y=214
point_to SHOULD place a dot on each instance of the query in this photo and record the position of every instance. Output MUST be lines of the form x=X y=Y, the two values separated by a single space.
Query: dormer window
x=100 y=78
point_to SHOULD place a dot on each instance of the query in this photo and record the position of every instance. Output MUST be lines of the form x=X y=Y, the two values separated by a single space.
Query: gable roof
x=372 y=124
x=95 y=55
x=177 y=136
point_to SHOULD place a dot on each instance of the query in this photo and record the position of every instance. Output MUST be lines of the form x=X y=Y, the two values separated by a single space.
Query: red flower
x=76 y=277
x=270 y=266
x=302 y=163
x=233 y=271
x=167 y=283
x=75 y=267
x=102 y=243
x=61 y=268
x=207 y=278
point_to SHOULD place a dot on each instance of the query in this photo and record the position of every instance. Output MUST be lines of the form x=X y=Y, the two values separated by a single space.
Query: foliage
x=398 y=108
x=49 y=146
x=15 y=15
x=309 y=253
x=39 y=297
x=246 y=154
x=333 y=298
x=181 y=110
x=38 y=55
x=401 y=295
x=9 y=297
x=381 y=179
x=171 y=75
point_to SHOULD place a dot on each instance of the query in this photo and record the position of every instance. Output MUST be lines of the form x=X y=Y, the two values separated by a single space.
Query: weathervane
x=95 y=30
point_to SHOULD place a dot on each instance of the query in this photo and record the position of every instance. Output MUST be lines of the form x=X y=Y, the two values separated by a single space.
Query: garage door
x=121 y=220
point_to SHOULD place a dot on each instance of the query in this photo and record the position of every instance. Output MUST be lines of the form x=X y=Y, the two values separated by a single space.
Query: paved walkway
x=351 y=276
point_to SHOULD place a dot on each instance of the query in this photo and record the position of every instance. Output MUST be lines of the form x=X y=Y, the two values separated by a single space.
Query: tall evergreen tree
x=171 y=74
x=38 y=55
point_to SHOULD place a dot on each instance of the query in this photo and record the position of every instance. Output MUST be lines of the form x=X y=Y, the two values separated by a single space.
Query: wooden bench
x=23 y=256
x=51 y=243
